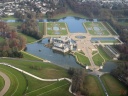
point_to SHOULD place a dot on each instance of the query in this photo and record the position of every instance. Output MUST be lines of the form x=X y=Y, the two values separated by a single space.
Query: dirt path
x=7 y=83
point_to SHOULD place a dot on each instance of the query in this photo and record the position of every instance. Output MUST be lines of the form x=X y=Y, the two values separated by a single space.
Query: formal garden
x=56 y=28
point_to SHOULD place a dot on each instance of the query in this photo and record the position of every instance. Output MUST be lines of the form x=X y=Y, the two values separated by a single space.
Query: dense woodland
x=12 y=42
x=30 y=27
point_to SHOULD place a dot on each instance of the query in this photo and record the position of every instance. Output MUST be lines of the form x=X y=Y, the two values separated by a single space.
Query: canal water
x=60 y=59
x=63 y=60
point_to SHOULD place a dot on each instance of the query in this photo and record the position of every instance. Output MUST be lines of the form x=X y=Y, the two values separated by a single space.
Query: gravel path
x=7 y=83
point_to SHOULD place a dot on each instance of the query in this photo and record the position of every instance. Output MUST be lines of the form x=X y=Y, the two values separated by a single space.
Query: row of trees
x=121 y=72
x=30 y=27
x=123 y=33
x=78 y=81
x=12 y=42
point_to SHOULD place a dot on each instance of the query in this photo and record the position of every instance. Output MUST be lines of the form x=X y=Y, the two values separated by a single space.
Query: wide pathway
x=6 y=85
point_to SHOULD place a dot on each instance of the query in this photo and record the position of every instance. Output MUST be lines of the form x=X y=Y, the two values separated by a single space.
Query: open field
x=18 y=82
x=56 y=28
x=82 y=59
x=1 y=83
x=98 y=60
x=94 y=86
x=103 y=53
x=49 y=89
x=96 y=28
x=38 y=68
x=24 y=84
x=68 y=13
x=113 y=86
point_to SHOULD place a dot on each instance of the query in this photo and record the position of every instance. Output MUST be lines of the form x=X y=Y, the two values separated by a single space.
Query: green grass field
x=29 y=57
x=40 y=69
x=62 y=29
x=112 y=41
x=18 y=82
x=24 y=84
x=41 y=27
x=68 y=13
x=93 y=85
x=29 y=39
x=82 y=59
x=1 y=83
x=94 y=52
x=14 y=24
x=103 y=53
x=9 y=18
x=98 y=60
x=113 y=86
x=96 y=28
x=49 y=89
x=1 y=39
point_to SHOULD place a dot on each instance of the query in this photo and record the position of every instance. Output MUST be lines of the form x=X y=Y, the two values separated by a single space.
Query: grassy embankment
x=82 y=59
x=1 y=83
x=62 y=28
x=114 y=87
x=41 y=69
x=93 y=85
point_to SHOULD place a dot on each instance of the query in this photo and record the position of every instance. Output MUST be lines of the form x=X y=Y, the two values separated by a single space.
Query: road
x=6 y=85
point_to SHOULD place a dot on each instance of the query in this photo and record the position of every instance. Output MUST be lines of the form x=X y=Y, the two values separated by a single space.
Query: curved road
x=7 y=83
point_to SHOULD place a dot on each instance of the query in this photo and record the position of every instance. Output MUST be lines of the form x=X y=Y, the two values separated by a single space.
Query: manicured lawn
x=41 y=69
x=14 y=24
x=112 y=41
x=104 y=54
x=61 y=28
x=1 y=83
x=93 y=86
x=98 y=60
x=91 y=27
x=9 y=18
x=113 y=86
x=50 y=89
x=111 y=30
x=34 y=84
x=29 y=39
x=18 y=82
x=29 y=57
x=41 y=27
x=82 y=59
x=94 y=52
x=1 y=39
